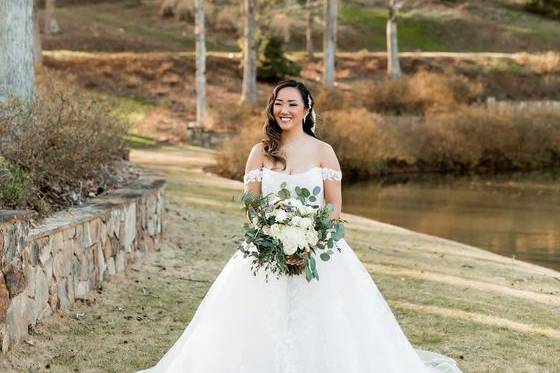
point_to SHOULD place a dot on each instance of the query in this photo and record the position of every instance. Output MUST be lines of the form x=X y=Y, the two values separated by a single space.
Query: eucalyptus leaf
x=284 y=194
x=316 y=190
x=324 y=256
x=308 y=274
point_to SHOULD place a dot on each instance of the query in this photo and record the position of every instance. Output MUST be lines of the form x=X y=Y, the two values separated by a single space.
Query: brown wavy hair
x=272 y=130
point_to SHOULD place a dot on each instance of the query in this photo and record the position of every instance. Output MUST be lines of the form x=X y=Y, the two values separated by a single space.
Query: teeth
x=286 y=119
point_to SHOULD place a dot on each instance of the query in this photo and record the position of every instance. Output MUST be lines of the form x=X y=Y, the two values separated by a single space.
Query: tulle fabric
x=339 y=324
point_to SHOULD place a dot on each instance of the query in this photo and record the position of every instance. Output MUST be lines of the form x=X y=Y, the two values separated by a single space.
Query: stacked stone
x=46 y=268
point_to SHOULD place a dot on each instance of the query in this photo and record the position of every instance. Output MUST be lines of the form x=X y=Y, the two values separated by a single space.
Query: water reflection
x=513 y=215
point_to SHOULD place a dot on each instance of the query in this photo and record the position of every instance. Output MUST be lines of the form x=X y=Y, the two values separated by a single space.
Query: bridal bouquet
x=287 y=232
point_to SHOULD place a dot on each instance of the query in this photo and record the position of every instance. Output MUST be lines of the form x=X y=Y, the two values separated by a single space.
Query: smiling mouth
x=285 y=119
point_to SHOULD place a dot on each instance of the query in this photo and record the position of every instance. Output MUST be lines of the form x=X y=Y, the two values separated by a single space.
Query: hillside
x=458 y=25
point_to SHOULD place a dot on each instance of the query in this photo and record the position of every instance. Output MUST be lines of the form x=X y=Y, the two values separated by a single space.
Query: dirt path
x=490 y=313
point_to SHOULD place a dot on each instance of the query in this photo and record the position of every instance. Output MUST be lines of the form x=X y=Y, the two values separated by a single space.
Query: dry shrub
x=422 y=92
x=467 y=139
x=60 y=141
x=361 y=139
x=329 y=99
x=543 y=63
x=185 y=10
x=232 y=155
x=441 y=92
x=478 y=138
x=226 y=18
x=167 y=8
x=386 y=96
x=231 y=117
x=505 y=85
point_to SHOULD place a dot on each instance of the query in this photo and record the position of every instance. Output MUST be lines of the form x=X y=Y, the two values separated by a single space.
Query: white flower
x=296 y=221
x=291 y=237
x=297 y=204
x=249 y=246
x=281 y=215
x=306 y=223
x=308 y=210
x=312 y=237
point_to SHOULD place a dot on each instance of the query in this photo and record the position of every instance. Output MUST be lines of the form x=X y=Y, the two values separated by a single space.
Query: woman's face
x=288 y=108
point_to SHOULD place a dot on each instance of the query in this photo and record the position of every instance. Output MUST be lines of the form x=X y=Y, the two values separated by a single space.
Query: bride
x=339 y=324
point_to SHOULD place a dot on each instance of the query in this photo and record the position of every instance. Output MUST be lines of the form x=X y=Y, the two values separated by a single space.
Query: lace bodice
x=271 y=180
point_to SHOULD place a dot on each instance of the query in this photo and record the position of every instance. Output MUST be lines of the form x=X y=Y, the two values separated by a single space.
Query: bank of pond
x=516 y=215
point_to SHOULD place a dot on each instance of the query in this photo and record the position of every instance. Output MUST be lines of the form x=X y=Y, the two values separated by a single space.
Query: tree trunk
x=393 y=65
x=51 y=25
x=249 y=88
x=290 y=5
x=309 y=29
x=17 y=72
x=329 y=43
x=37 y=46
x=201 y=105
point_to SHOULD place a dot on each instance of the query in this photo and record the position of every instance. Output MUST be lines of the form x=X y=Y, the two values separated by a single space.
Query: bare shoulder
x=327 y=155
x=256 y=157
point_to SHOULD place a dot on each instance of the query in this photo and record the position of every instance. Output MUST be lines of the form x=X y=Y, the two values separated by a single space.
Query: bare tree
x=201 y=104
x=393 y=65
x=249 y=86
x=17 y=72
x=329 y=46
x=290 y=4
x=309 y=28
x=51 y=24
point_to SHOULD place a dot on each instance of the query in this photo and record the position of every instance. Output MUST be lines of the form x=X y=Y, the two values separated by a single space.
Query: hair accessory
x=309 y=102
x=314 y=117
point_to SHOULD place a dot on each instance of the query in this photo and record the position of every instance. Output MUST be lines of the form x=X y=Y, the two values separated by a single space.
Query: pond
x=515 y=215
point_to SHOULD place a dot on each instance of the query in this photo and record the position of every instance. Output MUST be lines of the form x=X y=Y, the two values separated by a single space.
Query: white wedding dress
x=339 y=324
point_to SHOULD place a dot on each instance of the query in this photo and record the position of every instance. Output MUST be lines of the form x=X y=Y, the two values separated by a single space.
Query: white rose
x=312 y=237
x=251 y=247
x=292 y=238
x=306 y=222
x=309 y=210
x=281 y=216
x=296 y=221
x=274 y=230
x=297 y=204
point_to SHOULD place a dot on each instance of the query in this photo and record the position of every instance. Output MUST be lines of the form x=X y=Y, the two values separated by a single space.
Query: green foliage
x=273 y=64
x=267 y=250
x=63 y=143
x=16 y=187
x=546 y=8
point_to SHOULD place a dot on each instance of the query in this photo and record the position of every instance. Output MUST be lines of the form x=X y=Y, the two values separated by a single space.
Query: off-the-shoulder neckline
x=296 y=174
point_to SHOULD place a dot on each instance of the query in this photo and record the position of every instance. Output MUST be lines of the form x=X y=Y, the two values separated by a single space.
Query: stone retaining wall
x=47 y=267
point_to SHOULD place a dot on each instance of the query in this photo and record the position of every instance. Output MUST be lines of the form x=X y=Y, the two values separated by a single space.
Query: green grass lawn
x=490 y=313
x=488 y=26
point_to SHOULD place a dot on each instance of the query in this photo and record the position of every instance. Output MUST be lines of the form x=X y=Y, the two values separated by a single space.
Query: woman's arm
x=255 y=161
x=332 y=185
